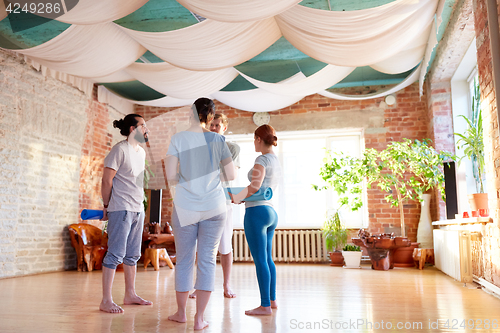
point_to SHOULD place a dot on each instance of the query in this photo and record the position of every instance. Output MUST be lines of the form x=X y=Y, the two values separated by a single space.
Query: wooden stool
x=421 y=256
x=154 y=256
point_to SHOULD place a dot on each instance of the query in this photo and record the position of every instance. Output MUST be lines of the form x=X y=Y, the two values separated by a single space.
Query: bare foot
x=274 y=305
x=136 y=300
x=178 y=317
x=193 y=295
x=228 y=293
x=260 y=311
x=110 y=307
x=199 y=323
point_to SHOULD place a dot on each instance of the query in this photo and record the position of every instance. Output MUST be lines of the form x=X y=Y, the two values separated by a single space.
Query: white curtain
x=303 y=86
x=407 y=59
x=238 y=10
x=121 y=104
x=167 y=102
x=408 y=81
x=87 y=51
x=356 y=38
x=181 y=83
x=86 y=86
x=120 y=76
x=210 y=45
x=255 y=100
x=199 y=59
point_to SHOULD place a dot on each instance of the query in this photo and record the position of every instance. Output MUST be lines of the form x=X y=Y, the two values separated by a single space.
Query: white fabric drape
x=238 y=10
x=181 y=83
x=118 y=103
x=255 y=100
x=88 y=51
x=120 y=76
x=405 y=83
x=94 y=11
x=167 y=102
x=357 y=38
x=323 y=79
x=86 y=86
x=210 y=45
x=407 y=59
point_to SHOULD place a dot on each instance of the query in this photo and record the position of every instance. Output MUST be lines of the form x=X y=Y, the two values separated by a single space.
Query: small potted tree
x=471 y=142
x=404 y=170
x=352 y=256
x=335 y=238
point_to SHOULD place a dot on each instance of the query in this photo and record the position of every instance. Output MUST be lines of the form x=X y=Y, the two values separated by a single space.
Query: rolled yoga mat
x=91 y=214
x=264 y=193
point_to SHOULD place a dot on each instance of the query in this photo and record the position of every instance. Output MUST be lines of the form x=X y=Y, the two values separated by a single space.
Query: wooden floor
x=312 y=298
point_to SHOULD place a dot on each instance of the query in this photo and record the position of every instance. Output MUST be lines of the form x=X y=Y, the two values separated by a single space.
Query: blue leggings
x=260 y=222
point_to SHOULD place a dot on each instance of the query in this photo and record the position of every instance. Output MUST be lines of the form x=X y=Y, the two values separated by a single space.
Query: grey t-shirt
x=127 y=192
x=235 y=154
x=199 y=155
x=272 y=177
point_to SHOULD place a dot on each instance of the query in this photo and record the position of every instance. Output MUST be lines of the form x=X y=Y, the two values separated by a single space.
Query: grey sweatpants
x=206 y=236
x=124 y=238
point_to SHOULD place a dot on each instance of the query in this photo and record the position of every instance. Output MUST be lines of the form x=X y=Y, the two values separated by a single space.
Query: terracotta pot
x=336 y=258
x=403 y=256
x=478 y=201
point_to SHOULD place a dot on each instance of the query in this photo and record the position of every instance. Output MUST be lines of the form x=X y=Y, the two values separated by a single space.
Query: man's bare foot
x=193 y=295
x=228 y=293
x=274 y=305
x=110 y=307
x=136 y=300
x=178 y=317
x=260 y=311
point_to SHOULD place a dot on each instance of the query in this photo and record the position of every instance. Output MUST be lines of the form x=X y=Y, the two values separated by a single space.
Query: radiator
x=288 y=246
x=452 y=251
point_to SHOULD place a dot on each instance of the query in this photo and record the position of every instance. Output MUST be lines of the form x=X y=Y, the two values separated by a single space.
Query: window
x=301 y=156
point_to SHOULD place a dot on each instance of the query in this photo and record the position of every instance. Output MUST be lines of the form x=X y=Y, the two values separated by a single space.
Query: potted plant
x=471 y=142
x=352 y=256
x=335 y=238
x=404 y=170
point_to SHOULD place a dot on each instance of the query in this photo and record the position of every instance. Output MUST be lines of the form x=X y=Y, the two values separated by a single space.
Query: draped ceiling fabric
x=204 y=58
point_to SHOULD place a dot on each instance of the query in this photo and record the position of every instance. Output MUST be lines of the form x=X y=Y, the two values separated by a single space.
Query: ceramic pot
x=337 y=259
x=478 y=201
x=352 y=259
x=403 y=256
x=424 y=231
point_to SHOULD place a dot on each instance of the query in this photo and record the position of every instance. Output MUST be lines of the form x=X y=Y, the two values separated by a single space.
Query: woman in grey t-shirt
x=261 y=218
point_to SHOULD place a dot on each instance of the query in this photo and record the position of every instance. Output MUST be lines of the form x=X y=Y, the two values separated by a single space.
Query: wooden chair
x=90 y=245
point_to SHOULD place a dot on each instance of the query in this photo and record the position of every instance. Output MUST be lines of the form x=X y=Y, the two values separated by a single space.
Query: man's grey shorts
x=124 y=238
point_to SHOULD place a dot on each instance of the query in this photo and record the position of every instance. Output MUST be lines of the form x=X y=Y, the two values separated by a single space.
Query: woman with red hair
x=261 y=218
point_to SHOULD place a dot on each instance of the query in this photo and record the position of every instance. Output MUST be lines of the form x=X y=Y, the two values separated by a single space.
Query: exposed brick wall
x=382 y=124
x=440 y=118
x=491 y=140
x=42 y=124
